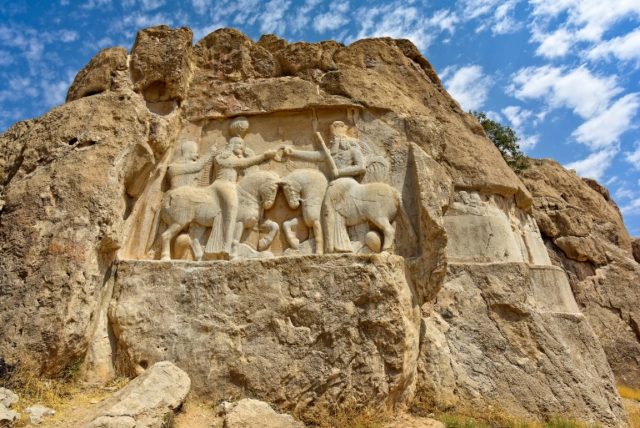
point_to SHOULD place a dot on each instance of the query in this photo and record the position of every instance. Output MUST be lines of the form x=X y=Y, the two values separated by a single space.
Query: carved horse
x=349 y=203
x=305 y=187
x=200 y=208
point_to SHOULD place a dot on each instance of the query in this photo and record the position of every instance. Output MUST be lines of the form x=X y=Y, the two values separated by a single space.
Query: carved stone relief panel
x=490 y=228
x=310 y=182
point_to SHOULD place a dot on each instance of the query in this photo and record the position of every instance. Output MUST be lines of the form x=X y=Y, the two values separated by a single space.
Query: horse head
x=268 y=190
x=292 y=189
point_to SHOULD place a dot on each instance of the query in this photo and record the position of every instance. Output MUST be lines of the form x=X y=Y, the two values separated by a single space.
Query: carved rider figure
x=228 y=164
x=344 y=159
x=185 y=171
x=347 y=165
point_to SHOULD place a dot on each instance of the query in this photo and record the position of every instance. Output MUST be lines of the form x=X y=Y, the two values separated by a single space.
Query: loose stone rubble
x=250 y=413
x=149 y=400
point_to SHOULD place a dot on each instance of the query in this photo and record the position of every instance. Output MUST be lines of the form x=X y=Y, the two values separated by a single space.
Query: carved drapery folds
x=299 y=183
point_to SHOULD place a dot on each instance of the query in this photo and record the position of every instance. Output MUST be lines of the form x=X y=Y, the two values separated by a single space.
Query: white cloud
x=395 y=20
x=273 y=19
x=444 y=20
x=93 y=4
x=67 y=36
x=468 y=85
x=55 y=92
x=582 y=21
x=634 y=158
x=578 y=89
x=631 y=208
x=594 y=165
x=606 y=128
x=495 y=15
x=200 y=6
x=555 y=44
x=301 y=18
x=590 y=19
x=624 y=193
x=335 y=18
x=151 y=4
x=625 y=48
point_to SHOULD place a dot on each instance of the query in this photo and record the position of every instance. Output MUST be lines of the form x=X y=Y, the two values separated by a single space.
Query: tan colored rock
x=585 y=234
x=636 y=249
x=38 y=413
x=8 y=418
x=62 y=219
x=227 y=54
x=299 y=332
x=7 y=397
x=161 y=63
x=149 y=400
x=100 y=75
x=494 y=328
x=249 y=413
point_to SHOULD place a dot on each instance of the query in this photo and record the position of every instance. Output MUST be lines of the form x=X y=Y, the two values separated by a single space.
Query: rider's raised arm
x=307 y=155
x=357 y=168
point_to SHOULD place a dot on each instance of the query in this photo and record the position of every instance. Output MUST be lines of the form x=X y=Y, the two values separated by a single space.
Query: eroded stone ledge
x=294 y=331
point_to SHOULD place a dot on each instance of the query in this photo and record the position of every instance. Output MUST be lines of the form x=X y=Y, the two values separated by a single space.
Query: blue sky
x=564 y=73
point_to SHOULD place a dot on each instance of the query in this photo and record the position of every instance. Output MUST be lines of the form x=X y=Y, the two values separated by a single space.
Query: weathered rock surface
x=495 y=328
x=250 y=413
x=8 y=418
x=38 y=413
x=636 y=249
x=296 y=331
x=105 y=72
x=149 y=400
x=585 y=235
x=7 y=397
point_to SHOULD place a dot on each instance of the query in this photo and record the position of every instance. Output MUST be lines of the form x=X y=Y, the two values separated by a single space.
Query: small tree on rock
x=505 y=139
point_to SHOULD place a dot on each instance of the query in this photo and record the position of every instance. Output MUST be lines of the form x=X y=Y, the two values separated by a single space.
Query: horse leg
x=229 y=207
x=387 y=229
x=237 y=236
x=317 y=234
x=167 y=236
x=265 y=242
x=290 y=234
x=197 y=232
x=330 y=226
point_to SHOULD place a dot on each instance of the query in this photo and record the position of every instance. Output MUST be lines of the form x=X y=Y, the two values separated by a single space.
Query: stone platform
x=295 y=331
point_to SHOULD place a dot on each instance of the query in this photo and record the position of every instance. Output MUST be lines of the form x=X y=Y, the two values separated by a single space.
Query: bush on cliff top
x=505 y=139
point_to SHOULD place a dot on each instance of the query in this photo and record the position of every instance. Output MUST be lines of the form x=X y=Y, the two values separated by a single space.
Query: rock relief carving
x=349 y=194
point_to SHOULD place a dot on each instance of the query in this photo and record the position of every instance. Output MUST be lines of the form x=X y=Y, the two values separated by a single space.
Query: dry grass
x=488 y=417
x=63 y=394
x=628 y=392
x=347 y=416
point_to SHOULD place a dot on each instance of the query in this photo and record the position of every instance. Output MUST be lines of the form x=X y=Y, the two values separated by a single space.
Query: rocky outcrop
x=105 y=72
x=585 y=234
x=494 y=328
x=149 y=400
x=636 y=249
x=82 y=223
x=8 y=417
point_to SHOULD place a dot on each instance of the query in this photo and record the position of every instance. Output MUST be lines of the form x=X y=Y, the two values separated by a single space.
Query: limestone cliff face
x=584 y=233
x=467 y=306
